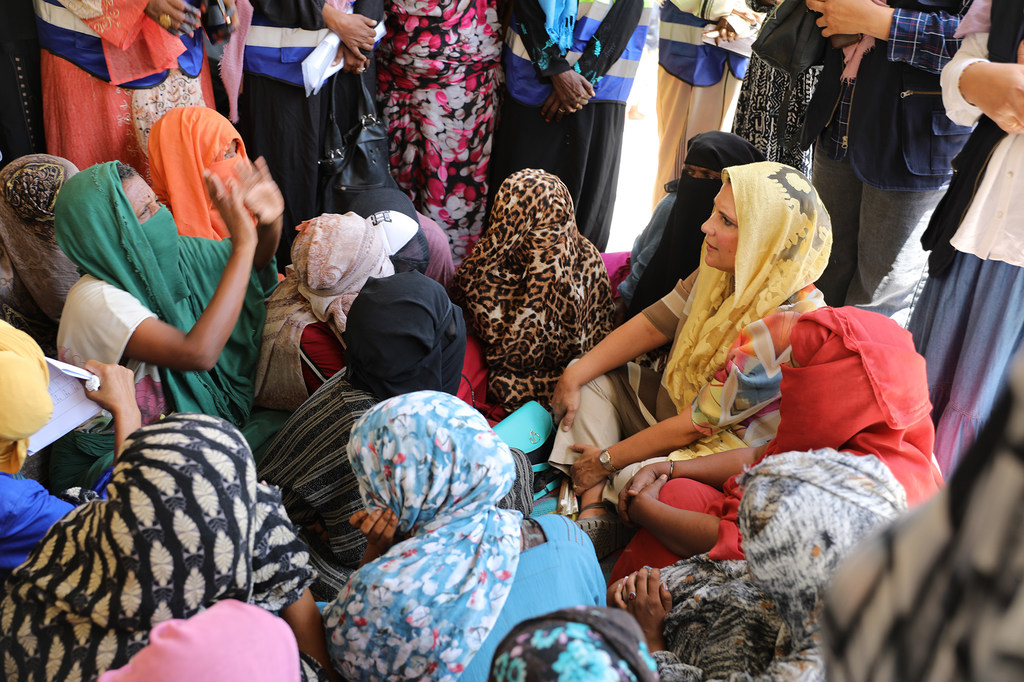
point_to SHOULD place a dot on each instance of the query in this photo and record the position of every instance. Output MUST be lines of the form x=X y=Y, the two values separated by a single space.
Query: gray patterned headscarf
x=35 y=275
x=801 y=514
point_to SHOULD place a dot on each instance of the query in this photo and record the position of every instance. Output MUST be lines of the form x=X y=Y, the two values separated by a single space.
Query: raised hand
x=230 y=204
x=261 y=194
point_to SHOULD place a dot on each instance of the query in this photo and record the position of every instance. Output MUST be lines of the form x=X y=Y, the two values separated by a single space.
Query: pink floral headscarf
x=333 y=256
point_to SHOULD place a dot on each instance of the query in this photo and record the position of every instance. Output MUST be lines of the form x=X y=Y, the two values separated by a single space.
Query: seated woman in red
x=854 y=383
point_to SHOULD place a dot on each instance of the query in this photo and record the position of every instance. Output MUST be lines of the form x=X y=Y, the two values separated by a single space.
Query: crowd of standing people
x=373 y=402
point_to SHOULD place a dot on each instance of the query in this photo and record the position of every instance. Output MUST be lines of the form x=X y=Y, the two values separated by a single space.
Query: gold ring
x=165 y=21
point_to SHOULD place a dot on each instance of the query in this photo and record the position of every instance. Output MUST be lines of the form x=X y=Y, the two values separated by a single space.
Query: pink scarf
x=977 y=20
x=234 y=52
x=852 y=54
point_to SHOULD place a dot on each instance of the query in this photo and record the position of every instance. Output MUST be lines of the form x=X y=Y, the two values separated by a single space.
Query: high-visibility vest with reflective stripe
x=521 y=76
x=684 y=54
x=67 y=36
x=277 y=51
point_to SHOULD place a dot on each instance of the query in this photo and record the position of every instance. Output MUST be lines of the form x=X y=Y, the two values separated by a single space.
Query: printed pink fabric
x=438 y=71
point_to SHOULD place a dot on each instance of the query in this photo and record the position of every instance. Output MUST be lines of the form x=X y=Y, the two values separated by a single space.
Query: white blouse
x=993 y=228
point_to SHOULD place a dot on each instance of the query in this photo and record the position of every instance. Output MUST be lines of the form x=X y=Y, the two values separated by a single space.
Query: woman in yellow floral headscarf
x=767 y=241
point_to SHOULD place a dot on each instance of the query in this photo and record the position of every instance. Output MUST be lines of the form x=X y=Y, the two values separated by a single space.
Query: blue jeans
x=877 y=261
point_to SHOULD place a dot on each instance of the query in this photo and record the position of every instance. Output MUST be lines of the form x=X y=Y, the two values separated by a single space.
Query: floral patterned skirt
x=441 y=134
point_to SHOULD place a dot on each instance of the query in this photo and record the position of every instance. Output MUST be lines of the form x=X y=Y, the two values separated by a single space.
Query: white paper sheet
x=71 y=406
x=317 y=67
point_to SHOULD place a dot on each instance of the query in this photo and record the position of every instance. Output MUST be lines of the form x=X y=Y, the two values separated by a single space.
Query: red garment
x=89 y=121
x=134 y=45
x=473 y=387
x=859 y=386
x=645 y=549
x=323 y=351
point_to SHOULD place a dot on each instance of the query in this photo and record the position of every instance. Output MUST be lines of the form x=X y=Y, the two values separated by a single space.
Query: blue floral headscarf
x=574 y=645
x=424 y=608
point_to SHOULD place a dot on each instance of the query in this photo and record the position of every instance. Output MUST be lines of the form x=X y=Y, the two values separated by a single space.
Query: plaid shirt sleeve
x=923 y=39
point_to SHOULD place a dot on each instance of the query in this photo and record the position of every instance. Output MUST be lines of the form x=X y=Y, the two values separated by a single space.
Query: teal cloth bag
x=531 y=430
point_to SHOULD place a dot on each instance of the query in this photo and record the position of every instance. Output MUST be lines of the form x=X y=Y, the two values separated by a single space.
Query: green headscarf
x=173 y=276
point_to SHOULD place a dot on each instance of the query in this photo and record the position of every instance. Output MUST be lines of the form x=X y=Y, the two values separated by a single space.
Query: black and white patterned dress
x=185 y=525
x=757 y=112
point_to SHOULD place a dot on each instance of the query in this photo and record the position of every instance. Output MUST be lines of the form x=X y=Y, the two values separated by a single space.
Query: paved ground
x=639 y=161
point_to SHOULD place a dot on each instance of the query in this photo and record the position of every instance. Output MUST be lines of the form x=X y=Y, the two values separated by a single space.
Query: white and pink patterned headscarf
x=333 y=256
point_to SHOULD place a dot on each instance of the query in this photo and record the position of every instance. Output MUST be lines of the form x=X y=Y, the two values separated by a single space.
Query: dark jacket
x=969 y=165
x=899 y=137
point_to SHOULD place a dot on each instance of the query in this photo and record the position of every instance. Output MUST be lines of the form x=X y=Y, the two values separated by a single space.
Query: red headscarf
x=859 y=386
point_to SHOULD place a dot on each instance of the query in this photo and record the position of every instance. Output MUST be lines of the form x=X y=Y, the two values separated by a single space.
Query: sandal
x=608 y=532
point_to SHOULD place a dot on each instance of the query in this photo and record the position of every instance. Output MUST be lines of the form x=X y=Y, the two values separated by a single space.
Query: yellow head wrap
x=25 y=404
x=785 y=237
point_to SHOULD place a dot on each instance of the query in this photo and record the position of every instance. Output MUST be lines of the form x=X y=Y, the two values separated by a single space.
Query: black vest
x=969 y=165
x=899 y=135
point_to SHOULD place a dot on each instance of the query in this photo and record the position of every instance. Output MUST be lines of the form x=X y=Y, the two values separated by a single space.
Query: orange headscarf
x=185 y=142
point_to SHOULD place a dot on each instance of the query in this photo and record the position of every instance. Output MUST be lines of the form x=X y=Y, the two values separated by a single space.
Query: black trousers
x=582 y=149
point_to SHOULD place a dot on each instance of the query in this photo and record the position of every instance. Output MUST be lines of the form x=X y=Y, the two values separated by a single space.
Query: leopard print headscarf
x=534 y=290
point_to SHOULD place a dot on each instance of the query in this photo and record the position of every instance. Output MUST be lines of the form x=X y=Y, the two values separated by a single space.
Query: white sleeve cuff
x=973 y=50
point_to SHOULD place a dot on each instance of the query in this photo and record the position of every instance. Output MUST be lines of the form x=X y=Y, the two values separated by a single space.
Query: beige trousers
x=685 y=110
x=604 y=418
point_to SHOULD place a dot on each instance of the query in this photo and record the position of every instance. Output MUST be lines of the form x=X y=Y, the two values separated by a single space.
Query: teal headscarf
x=173 y=276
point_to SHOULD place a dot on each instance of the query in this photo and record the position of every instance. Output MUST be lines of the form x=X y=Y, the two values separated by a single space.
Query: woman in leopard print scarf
x=534 y=290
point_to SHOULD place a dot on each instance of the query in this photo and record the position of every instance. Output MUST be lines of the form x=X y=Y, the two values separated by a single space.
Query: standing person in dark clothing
x=565 y=99
x=21 y=103
x=276 y=118
x=884 y=145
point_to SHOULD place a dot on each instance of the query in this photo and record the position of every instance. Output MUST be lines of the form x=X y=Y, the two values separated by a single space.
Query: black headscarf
x=678 y=253
x=404 y=334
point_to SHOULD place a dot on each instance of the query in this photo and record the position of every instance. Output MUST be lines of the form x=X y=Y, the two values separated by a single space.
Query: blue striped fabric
x=521 y=77
x=282 y=61
x=682 y=54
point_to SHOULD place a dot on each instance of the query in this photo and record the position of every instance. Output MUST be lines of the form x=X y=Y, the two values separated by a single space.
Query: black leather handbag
x=358 y=159
x=364 y=162
x=790 y=40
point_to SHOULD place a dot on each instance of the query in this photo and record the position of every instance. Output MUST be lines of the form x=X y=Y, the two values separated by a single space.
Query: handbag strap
x=367 y=106
x=331 y=141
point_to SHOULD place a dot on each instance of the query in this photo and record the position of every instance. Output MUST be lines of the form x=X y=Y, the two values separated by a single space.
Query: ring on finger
x=165 y=21
x=631 y=597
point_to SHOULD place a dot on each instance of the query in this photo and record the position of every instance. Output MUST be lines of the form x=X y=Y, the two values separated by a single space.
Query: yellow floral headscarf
x=25 y=404
x=785 y=237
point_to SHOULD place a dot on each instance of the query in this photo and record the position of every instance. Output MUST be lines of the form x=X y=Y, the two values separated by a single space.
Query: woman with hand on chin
x=767 y=242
